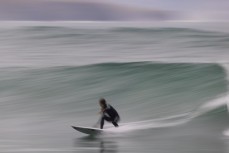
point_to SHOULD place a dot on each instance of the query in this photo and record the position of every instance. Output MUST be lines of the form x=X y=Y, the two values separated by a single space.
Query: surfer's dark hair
x=103 y=102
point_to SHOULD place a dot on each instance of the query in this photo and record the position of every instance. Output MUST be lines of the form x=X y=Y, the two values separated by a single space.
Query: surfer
x=108 y=113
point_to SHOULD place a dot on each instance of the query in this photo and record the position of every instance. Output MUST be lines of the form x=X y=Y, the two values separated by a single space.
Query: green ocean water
x=169 y=85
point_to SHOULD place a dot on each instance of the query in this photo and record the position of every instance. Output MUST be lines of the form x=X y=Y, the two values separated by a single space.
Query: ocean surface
x=168 y=81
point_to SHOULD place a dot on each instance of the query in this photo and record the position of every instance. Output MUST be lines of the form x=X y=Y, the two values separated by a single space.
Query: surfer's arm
x=102 y=110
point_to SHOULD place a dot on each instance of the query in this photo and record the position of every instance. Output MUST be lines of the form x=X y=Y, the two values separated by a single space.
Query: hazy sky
x=190 y=9
x=198 y=9
x=214 y=5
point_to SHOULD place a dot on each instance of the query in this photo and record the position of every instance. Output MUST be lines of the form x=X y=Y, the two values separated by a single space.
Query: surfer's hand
x=102 y=110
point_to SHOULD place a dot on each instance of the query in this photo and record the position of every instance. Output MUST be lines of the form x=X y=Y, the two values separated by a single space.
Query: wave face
x=147 y=96
x=158 y=90
x=169 y=86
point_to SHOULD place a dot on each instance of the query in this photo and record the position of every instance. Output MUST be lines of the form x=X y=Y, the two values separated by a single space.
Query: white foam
x=150 y=124
x=226 y=132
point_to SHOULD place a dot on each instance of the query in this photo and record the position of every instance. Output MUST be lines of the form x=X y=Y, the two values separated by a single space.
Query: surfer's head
x=103 y=103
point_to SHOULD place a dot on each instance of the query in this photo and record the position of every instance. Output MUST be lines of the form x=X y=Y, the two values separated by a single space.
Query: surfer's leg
x=115 y=124
x=102 y=121
x=115 y=121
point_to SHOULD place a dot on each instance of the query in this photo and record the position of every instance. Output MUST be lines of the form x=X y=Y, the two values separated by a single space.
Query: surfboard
x=88 y=130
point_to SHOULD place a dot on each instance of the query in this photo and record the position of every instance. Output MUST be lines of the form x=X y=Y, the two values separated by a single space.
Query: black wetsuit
x=110 y=115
